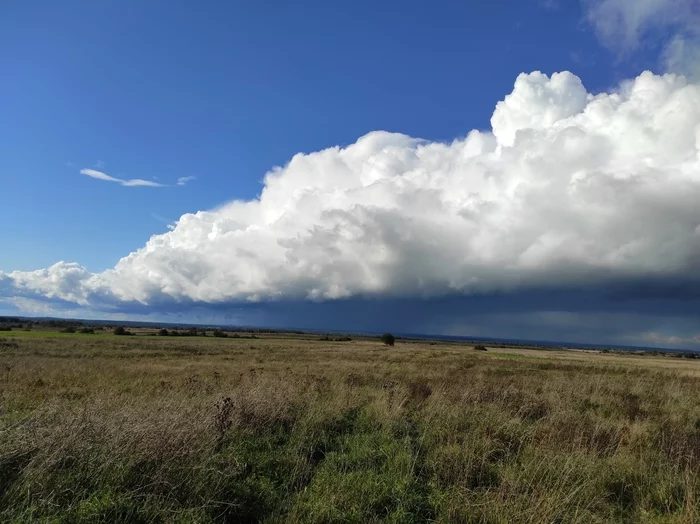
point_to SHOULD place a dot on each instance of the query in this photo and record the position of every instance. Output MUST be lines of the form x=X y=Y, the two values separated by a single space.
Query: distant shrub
x=479 y=347
x=220 y=334
x=68 y=329
x=5 y=328
x=388 y=339
x=122 y=331
x=87 y=331
x=163 y=332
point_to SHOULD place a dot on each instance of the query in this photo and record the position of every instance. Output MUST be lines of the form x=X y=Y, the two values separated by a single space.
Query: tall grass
x=219 y=430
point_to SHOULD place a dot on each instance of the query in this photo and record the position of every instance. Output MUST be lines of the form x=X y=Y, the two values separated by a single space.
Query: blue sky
x=223 y=92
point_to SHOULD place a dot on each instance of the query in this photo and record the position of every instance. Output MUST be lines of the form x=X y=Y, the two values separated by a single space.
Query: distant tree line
x=10 y=323
x=194 y=332
x=77 y=329
x=328 y=338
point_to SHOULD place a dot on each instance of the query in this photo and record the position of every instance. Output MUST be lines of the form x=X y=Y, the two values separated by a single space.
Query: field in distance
x=292 y=428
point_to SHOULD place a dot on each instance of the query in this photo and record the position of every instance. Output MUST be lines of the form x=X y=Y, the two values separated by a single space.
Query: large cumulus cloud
x=567 y=188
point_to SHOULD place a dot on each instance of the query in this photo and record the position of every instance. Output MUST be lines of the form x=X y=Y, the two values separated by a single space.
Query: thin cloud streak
x=134 y=182
x=184 y=179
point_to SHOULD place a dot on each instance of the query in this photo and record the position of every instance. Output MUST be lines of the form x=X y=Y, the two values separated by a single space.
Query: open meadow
x=104 y=428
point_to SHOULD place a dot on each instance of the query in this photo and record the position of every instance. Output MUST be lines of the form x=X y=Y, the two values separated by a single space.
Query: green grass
x=98 y=428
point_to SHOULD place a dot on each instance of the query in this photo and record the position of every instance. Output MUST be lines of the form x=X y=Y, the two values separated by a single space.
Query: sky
x=513 y=169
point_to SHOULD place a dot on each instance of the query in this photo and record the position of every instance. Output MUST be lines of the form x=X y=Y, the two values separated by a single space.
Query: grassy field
x=98 y=428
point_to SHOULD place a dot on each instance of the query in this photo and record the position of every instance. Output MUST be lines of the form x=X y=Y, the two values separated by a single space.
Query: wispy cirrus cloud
x=625 y=25
x=184 y=179
x=134 y=182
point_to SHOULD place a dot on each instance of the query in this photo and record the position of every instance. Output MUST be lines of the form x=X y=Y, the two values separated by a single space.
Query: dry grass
x=154 y=429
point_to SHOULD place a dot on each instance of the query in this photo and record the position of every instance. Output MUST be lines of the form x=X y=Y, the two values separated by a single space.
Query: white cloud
x=64 y=281
x=32 y=306
x=682 y=53
x=184 y=179
x=99 y=175
x=138 y=182
x=569 y=188
x=623 y=25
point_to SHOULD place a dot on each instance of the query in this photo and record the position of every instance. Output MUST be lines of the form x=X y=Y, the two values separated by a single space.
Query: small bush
x=87 y=331
x=5 y=328
x=388 y=339
x=68 y=329
x=220 y=334
x=479 y=347
x=122 y=331
x=163 y=332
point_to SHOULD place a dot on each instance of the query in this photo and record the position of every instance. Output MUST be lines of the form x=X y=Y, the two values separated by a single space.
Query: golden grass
x=159 y=429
